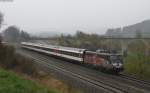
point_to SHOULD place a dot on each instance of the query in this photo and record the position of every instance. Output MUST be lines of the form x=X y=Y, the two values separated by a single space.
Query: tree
x=12 y=34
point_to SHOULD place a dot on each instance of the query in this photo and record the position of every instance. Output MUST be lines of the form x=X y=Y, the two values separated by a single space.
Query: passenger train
x=103 y=60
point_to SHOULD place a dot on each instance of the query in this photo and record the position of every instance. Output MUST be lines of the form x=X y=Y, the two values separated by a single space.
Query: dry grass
x=51 y=82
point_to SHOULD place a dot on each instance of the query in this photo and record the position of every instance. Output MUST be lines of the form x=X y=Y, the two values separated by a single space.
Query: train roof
x=105 y=54
x=69 y=49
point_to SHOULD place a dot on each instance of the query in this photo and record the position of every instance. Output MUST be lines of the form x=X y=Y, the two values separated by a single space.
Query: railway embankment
x=29 y=79
x=10 y=82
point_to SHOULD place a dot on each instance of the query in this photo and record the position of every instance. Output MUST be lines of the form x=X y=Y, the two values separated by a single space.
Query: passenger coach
x=65 y=52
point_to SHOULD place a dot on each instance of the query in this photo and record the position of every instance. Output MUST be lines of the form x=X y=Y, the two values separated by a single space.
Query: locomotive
x=103 y=60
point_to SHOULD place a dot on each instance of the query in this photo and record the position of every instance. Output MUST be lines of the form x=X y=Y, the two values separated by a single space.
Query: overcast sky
x=93 y=16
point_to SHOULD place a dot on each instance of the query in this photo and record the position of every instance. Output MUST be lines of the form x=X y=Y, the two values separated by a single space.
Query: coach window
x=64 y=52
x=70 y=53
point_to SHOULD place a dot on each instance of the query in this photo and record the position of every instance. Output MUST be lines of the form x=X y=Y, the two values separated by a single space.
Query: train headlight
x=117 y=65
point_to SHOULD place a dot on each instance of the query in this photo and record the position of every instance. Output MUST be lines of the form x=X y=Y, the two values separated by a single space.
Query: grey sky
x=70 y=15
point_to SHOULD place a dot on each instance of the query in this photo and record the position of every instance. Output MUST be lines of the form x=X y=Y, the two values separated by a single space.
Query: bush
x=6 y=55
x=25 y=64
x=10 y=60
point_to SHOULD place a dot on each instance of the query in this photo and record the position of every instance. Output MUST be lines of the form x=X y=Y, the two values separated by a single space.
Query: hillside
x=142 y=28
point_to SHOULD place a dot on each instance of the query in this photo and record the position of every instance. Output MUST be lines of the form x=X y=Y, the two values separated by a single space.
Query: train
x=103 y=60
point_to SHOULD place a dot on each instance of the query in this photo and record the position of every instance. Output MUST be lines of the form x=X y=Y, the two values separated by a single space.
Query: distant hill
x=140 y=29
x=45 y=34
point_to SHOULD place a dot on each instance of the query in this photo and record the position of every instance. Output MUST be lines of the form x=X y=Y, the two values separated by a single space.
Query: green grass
x=12 y=83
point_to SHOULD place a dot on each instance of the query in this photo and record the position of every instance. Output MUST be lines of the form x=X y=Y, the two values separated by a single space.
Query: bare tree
x=24 y=36
x=1 y=20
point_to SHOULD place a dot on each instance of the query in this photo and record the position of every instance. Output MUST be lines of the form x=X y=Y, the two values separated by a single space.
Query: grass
x=138 y=65
x=11 y=83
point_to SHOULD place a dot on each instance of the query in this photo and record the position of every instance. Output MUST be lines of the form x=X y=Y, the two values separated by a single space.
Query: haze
x=67 y=16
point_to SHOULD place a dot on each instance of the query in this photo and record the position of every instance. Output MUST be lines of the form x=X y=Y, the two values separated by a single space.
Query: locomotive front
x=116 y=62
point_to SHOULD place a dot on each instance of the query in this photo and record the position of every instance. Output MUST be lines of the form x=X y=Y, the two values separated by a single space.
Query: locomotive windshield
x=116 y=59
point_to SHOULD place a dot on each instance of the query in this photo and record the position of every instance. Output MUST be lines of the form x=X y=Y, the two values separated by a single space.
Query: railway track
x=88 y=79
x=101 y=82
x=100 y=85
x=105 y=80
x=143 y=82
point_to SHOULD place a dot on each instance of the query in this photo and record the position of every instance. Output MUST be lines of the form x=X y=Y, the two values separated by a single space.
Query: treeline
x=88 y=41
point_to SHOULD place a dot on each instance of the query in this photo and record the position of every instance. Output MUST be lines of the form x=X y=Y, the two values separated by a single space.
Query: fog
x=67 y=16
